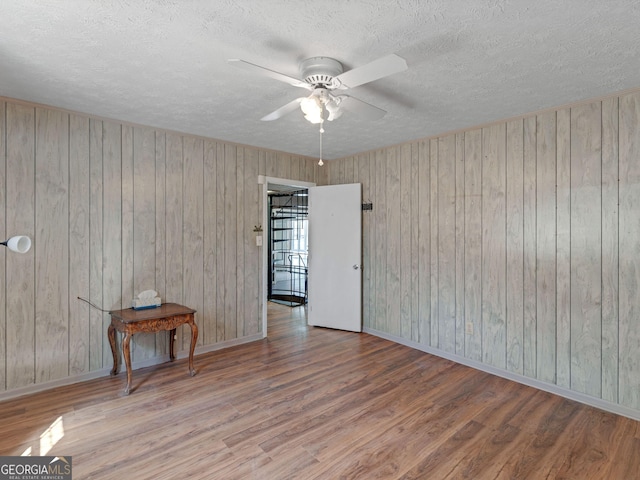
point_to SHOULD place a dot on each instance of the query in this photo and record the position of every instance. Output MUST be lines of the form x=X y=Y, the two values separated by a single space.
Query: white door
x=335 y=253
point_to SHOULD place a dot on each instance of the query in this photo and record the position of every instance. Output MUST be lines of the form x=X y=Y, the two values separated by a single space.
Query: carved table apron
x=168 y=316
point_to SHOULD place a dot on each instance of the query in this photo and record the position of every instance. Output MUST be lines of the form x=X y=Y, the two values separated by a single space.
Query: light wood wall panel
x=113 y=209
x=415 y=242
x=162 y=339
x=629 y=251
x=459 y=204
x=220 y=238
x=252 y=254
x=127 y=234
x=270 y=164
x=406 y=237
x=410 y=154
x=97 y=336
x=347 y=171
x=363 y=177
x=112 y=223
x=586 y=249
x=546 y=247
x=494 y=246
x=473 y=244
x=526 y=261
x=174 y=218
x=434 y=242
x=144 y=250
x=380 y=217
x=20 y=277
x=52 y=253
x=283 y=166
x=393 y=237
x=230 y=239
x=610 y=239
x=446 y=252
x=192 y=232
x=241 y=237
x=373 y=237
x=370 y=188
x=310 y=171
x=515 y=246
x=563 y=248
x=208 y=322
x=424 y=244
x=336 y=174
x=529 y=226
x=3 y=235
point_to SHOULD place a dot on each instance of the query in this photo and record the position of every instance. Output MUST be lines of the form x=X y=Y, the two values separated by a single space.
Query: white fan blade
x=375 y=70
x=269 y=73
x=363 y=109
x=284 y=110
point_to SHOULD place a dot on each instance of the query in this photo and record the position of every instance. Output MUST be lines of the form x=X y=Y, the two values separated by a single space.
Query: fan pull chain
x=320 y=162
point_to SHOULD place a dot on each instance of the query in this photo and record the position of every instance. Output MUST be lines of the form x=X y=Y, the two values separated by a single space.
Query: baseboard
x=531 y=382
x=105 y=372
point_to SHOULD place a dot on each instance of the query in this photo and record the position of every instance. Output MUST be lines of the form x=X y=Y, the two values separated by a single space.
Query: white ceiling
x=163 y=63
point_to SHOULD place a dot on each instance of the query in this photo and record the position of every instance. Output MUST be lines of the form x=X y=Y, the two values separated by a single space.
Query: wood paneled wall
x=114 y=209
x=516 y=245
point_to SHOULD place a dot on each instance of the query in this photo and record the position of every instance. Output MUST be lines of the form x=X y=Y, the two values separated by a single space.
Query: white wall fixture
x=18 y=243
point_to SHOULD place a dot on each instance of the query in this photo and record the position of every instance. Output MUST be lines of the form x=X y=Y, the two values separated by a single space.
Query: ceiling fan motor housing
x=320 y=71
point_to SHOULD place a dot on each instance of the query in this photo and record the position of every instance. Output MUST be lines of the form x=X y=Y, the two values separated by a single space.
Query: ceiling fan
x=324 y=77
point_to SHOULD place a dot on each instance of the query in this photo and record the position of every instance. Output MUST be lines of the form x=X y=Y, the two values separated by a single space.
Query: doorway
x=274 y=185
x=288 y=246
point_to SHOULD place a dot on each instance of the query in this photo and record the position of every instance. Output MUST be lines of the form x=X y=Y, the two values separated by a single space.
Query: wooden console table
x=168 y=316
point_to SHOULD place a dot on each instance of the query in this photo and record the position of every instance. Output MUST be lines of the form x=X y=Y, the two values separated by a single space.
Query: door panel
x=335 y=257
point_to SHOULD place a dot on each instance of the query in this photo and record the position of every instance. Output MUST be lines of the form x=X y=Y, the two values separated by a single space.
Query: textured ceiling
x=163 y=63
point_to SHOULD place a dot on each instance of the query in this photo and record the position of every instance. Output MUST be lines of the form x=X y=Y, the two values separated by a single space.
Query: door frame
x=265 y=181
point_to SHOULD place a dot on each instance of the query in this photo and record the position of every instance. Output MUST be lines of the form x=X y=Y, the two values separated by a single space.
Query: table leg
x=172 y=341
x=111 y=332
x=194 y=340
x=127 y=360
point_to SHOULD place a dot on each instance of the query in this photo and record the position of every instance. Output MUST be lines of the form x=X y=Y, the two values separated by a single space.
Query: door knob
x=356 y=267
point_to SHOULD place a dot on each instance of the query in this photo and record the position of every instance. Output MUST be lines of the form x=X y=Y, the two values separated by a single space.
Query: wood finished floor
x=312 y=403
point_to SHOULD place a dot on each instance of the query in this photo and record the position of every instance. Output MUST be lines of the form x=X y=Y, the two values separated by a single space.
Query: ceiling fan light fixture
x=313 y=109
x=315 y=119
x=311 y=106
x=333 y=107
